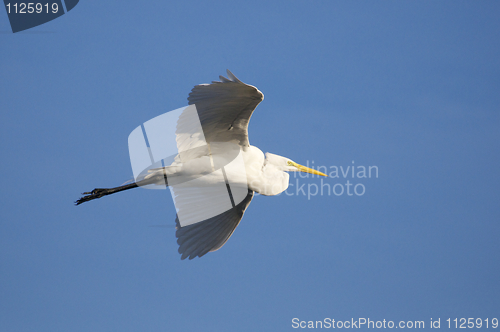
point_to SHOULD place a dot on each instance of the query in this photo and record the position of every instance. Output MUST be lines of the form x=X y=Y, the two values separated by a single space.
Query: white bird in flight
x=224 y=109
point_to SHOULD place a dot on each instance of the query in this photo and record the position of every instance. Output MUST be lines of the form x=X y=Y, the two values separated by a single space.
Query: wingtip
x=232 y=77
x=223 y=79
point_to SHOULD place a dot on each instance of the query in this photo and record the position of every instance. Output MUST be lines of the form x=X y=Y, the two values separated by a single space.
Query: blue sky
x=410 y=87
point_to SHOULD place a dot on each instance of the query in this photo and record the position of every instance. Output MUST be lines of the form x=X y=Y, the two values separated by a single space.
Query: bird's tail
x=99 y=192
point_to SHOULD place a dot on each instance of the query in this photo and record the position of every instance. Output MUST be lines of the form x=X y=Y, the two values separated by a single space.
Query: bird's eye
x=290 y=163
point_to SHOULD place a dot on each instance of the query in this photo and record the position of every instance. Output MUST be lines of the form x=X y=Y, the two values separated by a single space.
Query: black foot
x=96 y=193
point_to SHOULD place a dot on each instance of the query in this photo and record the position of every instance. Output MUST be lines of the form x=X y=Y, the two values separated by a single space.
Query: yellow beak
x=308 y=170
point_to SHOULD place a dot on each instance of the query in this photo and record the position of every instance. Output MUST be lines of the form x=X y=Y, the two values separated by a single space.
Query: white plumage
x=224 y=109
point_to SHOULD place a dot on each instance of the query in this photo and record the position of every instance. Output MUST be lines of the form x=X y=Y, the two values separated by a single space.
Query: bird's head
x=288 y=165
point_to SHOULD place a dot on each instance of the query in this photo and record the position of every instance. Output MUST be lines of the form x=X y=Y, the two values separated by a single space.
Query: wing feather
x=225 y=108
x=211 y=234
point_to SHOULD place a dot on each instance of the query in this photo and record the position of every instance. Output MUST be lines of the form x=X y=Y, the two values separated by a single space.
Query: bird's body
x=219 y=152
x=262 y=173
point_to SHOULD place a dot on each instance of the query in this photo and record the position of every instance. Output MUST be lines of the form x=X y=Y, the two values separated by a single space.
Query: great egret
x=224 y=109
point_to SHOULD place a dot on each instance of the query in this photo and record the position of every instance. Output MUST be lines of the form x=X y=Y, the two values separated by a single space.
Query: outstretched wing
x=225 y=108
x=211 y=234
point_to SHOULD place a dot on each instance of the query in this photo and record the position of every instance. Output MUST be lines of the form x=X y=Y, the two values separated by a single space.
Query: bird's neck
x=269 y=181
